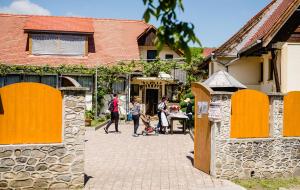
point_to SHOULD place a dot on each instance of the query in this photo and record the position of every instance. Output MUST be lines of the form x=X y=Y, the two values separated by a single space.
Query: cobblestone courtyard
x=122 y=162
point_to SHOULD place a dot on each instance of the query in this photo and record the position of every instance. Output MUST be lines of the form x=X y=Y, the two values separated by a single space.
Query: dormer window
x=169 y=56
x=58 y=44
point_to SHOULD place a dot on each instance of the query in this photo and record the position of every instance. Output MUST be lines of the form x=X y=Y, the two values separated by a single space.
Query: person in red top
x=114 y=115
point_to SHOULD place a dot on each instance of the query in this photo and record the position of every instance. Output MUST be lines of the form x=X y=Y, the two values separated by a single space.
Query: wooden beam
x=274 y=60
x=30 y=43
x=86 y=45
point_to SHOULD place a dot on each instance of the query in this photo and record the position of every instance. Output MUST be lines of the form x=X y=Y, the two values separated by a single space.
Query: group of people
x=135 y=111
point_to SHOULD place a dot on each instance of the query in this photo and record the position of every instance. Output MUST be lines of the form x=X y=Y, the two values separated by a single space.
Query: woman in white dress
x=162 y=115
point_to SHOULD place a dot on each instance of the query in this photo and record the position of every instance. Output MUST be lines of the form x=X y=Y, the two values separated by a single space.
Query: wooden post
x=274 y=59
x=96 y=93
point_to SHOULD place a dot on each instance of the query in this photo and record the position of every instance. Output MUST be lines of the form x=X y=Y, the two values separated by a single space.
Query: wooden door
x=202 y=130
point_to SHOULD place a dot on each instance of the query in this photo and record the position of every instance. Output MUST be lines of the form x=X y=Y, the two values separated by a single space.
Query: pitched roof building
x=105 y=41
x=262 y=54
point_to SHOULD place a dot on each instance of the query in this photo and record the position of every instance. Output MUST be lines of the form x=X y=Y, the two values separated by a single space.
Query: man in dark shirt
x=189 y=112
x=114 y=115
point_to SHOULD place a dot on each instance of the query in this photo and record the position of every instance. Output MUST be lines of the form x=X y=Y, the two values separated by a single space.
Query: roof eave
x=280 y=23
x=57 y=31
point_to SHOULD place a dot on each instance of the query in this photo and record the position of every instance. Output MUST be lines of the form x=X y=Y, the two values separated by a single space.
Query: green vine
x=42 y=70
x=107 y=75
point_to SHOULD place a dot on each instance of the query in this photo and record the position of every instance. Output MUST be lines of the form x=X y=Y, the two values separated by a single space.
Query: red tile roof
x=263 y=25
x=114 y=40
x=207 y=51
x=62 y=24
x=275 y=17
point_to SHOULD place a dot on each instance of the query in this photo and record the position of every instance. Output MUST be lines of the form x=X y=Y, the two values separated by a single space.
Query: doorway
x=151 y=101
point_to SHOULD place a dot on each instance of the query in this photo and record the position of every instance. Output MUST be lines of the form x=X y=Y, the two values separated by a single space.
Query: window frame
x=148 y=52
x=86 y=45
x=169 y=56
x=271 y=70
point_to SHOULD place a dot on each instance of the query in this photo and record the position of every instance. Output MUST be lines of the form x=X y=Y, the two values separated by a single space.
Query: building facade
x=264 y=54
x=53 y=41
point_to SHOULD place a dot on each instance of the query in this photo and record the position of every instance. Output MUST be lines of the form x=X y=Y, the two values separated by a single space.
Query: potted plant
x=89 y=117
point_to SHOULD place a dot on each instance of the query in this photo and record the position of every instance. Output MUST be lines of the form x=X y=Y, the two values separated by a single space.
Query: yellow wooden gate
x=30 y=113
x=202 y=133
x=249 y=114
x=291 y=114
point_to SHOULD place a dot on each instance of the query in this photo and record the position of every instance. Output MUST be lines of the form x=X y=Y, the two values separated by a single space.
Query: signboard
x=214 y=112
x=202 y=108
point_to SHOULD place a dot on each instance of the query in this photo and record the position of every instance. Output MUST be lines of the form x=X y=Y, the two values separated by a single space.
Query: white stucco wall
x=162 y=54
x=215 y=67
x=267 y=85
x=290 y=68
x=247 y=71
x=89 y=101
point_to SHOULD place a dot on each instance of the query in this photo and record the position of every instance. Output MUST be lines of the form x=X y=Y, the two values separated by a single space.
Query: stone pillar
x=49 y=166
x=276 y=115
x=220 y=132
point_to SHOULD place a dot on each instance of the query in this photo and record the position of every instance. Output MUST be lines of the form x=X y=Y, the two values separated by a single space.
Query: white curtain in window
x=179 y=75
x=119 y=86
x=58 y=44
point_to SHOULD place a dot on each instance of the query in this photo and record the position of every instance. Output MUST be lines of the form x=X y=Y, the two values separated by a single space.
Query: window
x=50 y=80
x=86 y=81
x=271 y=69
x=58 y=44
x=179 y=74
x=169 y=56
x=134 y=90
x=1 y=81
x=261 y=72
x=151 y=54
x=32 y=78
x=119 y=86
x=171 y=91
x=11 y=79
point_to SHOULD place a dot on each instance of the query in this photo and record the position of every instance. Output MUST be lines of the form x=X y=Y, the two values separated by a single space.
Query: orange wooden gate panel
x=30 y=113
x=202 y=133
x=291 y=114
x=249 y=114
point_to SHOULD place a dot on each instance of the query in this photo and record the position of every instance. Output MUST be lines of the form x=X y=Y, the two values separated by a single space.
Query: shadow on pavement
x=191 y=159
x=87 y=178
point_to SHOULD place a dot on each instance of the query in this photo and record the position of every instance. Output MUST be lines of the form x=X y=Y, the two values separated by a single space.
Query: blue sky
x=215 y=20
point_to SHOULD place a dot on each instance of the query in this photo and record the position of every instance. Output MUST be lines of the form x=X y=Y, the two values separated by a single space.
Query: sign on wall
x=214 y=112
x=202 y=108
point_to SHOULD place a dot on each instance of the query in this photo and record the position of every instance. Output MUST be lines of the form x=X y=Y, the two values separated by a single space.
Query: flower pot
x=88 y=122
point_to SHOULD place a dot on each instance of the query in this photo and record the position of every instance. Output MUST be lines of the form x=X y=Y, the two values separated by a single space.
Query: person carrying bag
x=135 y=111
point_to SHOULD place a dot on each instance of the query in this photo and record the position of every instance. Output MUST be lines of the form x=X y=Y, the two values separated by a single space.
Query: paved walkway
x=122 y=162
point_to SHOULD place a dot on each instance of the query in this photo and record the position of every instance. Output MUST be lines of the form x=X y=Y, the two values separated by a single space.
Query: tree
x=177 y=34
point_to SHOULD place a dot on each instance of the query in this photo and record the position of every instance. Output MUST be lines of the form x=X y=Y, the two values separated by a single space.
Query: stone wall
x=276 y=156
x=49 y=166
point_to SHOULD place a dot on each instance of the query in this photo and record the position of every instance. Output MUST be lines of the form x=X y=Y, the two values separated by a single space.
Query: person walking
x=136 y=111
x=113 y=107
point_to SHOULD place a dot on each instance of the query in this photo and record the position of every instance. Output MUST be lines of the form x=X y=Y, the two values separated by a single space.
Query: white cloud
x=24 y=7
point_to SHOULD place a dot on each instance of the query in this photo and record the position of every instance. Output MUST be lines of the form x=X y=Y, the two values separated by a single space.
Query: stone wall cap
x=275 y=94
x=74 y=89
x=221 y=92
